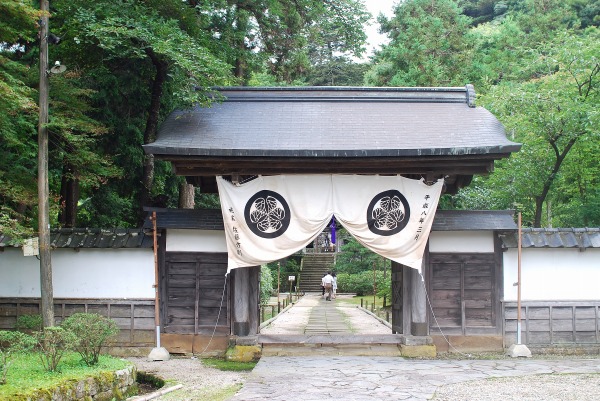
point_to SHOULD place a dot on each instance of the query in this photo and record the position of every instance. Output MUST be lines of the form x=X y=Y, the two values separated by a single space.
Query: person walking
x=334 y=285
x=323 y=285
x=328 y=284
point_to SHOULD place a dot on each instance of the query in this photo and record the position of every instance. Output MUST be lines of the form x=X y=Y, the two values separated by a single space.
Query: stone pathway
x=384 y=378
x=313 y=315
x=325 y=318
x=317 y=376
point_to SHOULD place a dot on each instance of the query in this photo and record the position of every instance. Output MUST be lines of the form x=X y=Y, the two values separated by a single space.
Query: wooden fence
x=558 y=323
x=272 y=309
x=135 y=317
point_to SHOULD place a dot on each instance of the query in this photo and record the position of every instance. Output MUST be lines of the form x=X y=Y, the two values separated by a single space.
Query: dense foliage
x=360 y=271
x=266 y=285
x=129 y=63
x=536 y=66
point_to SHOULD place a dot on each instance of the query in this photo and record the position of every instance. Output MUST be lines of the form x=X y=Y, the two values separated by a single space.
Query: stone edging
x=105 y=386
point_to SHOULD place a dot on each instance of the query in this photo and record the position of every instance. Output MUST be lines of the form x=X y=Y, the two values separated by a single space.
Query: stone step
x=332 y=350
x=344 y=345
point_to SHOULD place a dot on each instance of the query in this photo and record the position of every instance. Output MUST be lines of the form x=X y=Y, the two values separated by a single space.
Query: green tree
x=18 y=116
x=430 y=45
x=551 y=114
x=337 y=71
x=286 y=37
x=143 y=59
x=355 y=258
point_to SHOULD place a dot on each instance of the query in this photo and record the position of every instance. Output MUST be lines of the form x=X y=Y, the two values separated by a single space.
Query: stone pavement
x=313 y=315
x=321 y=378
x=318 y=377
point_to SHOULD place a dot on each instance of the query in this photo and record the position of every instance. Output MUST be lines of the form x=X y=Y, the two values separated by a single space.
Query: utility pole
x=47 y=297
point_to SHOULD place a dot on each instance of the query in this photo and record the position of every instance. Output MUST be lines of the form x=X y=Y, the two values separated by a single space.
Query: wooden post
x=156 y=298
x=47 y=297
x=278 y=279
x=519 y=283
x=374 y=283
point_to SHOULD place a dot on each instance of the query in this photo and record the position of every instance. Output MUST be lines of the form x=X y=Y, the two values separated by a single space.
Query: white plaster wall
x=553 y=274
x=180 y=240
x=461 y=241
x=89 y=273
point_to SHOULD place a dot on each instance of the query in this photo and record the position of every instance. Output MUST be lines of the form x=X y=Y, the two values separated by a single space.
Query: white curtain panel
x=390 y=215
x=270 y=218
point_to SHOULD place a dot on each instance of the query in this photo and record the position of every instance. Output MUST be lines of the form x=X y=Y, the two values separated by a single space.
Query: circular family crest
x=388 y=213
x=267 y=214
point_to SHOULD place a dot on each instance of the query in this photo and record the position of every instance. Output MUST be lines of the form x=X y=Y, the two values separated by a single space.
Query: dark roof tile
x=334 y=122
x=554 y=238
x=473 y=220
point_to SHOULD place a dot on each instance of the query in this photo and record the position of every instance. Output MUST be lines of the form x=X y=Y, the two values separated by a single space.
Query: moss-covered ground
x=26 y=373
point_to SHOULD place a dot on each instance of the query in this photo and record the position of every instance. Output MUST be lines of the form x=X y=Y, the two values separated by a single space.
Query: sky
x=375 y=7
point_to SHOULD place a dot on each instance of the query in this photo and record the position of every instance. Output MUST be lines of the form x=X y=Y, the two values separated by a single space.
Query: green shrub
x=11 y=343
x=266 y=284
x=29 y=323
x=53 y=342
x=362 y=283
x=92 y=331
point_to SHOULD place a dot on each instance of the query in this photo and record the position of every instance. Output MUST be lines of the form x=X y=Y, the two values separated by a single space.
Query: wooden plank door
x=195 y=293
x=464 y=293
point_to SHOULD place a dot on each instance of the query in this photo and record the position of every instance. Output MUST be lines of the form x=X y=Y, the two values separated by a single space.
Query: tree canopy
x=534 y=64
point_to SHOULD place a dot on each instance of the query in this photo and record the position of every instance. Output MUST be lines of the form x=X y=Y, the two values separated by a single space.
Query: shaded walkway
x=312 y=315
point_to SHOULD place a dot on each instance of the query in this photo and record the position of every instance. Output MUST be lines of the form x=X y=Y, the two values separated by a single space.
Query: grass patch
x=355 y=301
x=27 y=374
x=230 y=366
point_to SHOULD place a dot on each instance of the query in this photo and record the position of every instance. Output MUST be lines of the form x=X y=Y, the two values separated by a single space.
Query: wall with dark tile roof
x=554 y=238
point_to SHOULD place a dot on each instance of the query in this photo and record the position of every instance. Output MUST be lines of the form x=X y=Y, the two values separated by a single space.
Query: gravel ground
x=200 y=382
x=531 y=388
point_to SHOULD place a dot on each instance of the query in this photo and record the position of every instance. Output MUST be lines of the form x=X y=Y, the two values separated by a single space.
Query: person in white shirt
x=328 y=284
x=334 y=285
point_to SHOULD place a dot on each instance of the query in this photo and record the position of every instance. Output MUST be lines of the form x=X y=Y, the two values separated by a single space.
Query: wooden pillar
x=407 y=300
x=245 y=301
x=415 y=303
x=418 y=305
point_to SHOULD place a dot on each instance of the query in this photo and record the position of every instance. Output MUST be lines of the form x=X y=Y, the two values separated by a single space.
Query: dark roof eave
x=313 y=153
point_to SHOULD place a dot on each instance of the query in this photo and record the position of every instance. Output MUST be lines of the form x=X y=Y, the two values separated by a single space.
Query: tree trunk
x=151 y=127
x=186 y=196
x=69 y=197
x=539 y=200
x=46 y=288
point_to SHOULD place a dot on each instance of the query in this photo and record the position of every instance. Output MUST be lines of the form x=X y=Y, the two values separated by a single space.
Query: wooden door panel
x=193 y=284
x=463 y=286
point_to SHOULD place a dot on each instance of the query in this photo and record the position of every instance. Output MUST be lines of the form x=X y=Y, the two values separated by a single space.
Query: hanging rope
x=436 y=321
x=218 y=316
